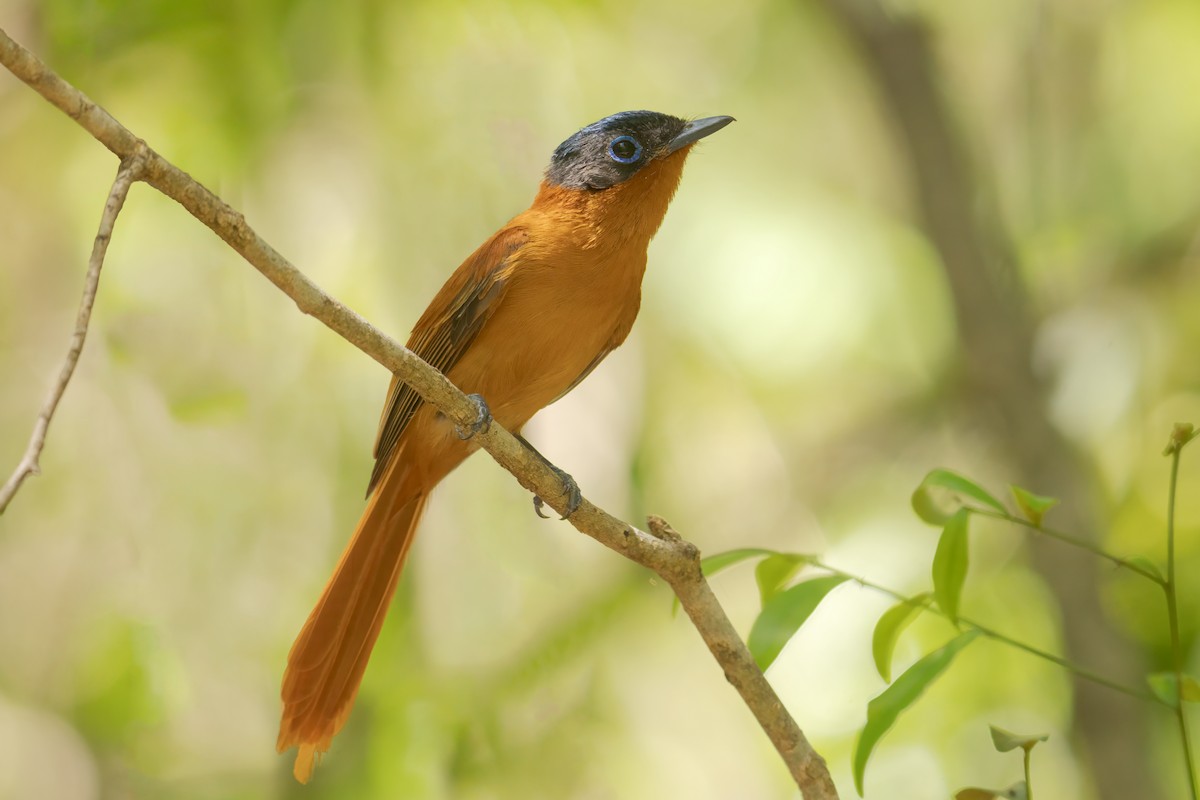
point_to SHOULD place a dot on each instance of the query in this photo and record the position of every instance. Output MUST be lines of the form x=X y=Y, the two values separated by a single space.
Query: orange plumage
x=522 y=320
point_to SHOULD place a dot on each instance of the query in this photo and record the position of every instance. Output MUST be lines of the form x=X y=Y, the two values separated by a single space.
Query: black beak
x=696 y=130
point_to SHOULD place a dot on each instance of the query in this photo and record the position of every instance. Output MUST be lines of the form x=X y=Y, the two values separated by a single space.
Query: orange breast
x=574 y=294
x=565 y=306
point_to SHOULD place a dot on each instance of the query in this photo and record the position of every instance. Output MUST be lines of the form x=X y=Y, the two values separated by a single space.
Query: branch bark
x=1000 y=390
x=129 y=171
x=662 y=550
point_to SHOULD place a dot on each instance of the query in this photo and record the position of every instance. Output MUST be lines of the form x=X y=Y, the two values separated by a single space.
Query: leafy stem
x=991 y=633
x=1074 y=541
x=1028 y=782
x=1179 y=439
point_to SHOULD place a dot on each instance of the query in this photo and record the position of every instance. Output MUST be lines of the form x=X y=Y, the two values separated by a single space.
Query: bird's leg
x=483 y=418
x=569 y=486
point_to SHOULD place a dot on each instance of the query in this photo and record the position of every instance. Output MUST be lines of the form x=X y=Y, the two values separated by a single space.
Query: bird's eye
x=625 y=149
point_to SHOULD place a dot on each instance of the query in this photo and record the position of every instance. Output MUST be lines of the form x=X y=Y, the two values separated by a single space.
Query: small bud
x=1181 y=434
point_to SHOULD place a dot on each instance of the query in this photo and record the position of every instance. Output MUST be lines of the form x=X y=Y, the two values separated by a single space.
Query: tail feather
x=326 y=664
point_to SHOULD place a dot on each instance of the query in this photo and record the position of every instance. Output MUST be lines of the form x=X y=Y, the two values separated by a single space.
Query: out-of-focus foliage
x=785 y=387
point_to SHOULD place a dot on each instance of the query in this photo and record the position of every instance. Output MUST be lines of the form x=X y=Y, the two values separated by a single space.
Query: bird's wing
x=446 y=330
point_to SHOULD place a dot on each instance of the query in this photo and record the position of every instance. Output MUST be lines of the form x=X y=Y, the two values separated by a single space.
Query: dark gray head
x=612 y=150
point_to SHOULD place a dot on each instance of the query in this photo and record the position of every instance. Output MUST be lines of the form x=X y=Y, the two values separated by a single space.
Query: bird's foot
x=483 y=418
x=569 y=488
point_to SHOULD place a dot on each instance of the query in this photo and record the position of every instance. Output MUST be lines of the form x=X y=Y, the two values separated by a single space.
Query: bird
x=520 y=323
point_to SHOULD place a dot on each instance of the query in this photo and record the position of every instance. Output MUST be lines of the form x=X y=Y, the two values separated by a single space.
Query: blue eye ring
x=618 y=150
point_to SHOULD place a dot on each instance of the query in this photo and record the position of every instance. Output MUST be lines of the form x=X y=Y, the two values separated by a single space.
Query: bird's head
x=613 y=150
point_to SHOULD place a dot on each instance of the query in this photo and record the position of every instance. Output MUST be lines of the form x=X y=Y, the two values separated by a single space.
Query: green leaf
x=719 y=561
x=1163 y=684
x=925 y=504
x=975 y=793
x=1007 y=740
x=928 y=510
x=774 y=571
x=883 y=711
x=950 y=563
x=888 y=630
x=1033 y=506
x=783 y=616
x=1148 y=566
x=1015 y=792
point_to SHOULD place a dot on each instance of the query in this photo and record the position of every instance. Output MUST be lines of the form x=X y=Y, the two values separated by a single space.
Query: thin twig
x=129 y=171
x=676 y=561
x=1074 y=541
x=1028 y=780
x=1179 y=439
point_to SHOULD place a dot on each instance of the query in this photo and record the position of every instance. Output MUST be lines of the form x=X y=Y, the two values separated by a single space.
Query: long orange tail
x=326 y=664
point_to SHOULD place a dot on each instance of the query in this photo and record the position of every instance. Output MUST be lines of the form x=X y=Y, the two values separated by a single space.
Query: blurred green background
x=941 y=234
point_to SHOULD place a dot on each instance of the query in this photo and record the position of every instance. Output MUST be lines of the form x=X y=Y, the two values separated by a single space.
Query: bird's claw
x=569 y=488
x=483 y=419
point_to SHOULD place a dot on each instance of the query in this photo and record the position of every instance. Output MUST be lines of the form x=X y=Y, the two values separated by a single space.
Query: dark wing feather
x=445 y=331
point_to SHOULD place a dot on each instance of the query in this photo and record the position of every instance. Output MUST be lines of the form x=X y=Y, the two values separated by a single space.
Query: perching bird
x=524 y=319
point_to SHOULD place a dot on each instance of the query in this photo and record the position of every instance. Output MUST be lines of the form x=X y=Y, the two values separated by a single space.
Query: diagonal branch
x=663 y=551
x=129 y=171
